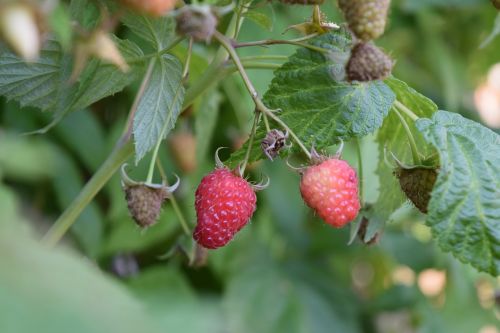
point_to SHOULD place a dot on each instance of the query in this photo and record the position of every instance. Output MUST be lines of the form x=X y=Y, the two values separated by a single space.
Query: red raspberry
x=151 y=7
x=224 y=204
x=331 y=189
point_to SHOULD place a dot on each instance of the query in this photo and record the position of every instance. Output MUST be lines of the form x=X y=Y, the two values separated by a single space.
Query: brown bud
x=273 y=143
x=144 y=203
x=197 y=22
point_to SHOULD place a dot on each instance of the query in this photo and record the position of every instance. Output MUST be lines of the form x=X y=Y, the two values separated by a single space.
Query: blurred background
x=286 y=271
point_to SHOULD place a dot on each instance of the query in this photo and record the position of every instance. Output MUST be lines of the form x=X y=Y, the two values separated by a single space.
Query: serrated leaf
x=464 y=210
x=158 y=32
x=44 y=84
x=393 y=136
x=159 y=105
x=35 y=84
x=319 y=109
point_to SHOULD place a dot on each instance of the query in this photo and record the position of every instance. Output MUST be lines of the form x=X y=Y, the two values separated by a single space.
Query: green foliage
x=465 y=203
x=318 y=107
x=44 y=83
x=81 y=298
x=392 y=137
x=160 y=104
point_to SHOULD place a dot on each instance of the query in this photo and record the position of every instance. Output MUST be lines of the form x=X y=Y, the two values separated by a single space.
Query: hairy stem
x=360 y=171
x=296 y=42
x=259 y=105
x=173 y=200
x=411 y=139
x=250 y=143
x=406 y=110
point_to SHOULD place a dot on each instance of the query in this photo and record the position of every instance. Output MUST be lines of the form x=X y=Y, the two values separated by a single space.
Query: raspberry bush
x=377 y=211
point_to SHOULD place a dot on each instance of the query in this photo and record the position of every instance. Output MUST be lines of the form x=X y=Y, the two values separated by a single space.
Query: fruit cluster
x=367 y=20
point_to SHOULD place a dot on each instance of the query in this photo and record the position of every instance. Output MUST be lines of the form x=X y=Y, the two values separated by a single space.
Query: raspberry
x=368 y=63
x=366 y=18
x=224 y=204
x=331 y=189
x=144 y=203
x=417 y=183
x=151 y=7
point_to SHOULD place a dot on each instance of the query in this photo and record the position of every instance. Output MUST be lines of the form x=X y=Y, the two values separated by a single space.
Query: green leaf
x=44 y=83
x=60 y=24
x=260 y=19
x=159 y=105
x=319 y=109
x=157 y=32
x=300 y=303
x=393 y=137
x=464 y=211
x=81 y=298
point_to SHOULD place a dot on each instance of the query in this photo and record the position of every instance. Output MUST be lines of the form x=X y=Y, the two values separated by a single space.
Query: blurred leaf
x=75 y=131
x=260 y=19
x=393 y=136
x=205 y=121
x=26 y=158
x=464 y=211
x=159 y=105
x=89 y=226
x=81 y=298
x=173 y=303
x=60 y=24
x=44 y=83
x=317 y=108
x=297 y=304
x=125 y=235
x=158 y=32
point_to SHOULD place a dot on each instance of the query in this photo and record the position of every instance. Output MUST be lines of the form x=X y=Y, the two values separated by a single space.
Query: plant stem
x=264 y=57
x=119 y=155
x=360 y=171
x=188 y=59
x=296 y=42
x=259 y=105
x=173 y=200
x=411 y=139
x=125 y=148
x=406 y=110
x=266 y=123
x=250 y=143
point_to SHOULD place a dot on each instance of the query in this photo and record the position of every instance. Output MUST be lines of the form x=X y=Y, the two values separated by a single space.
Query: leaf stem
x=185 y=72
x=406 y=110
x=250 y=143
x=296 y=42
x=411 y=139
x=119 y=155
x=259 y=105
x=360 y=171
x=173 y=200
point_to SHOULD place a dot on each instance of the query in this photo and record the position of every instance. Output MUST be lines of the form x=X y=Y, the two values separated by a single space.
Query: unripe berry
x=368 y=63
x=331 y=189
x=417 y=183
x=366 y=18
